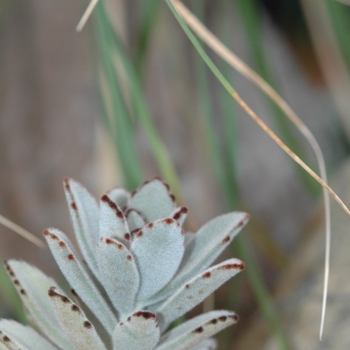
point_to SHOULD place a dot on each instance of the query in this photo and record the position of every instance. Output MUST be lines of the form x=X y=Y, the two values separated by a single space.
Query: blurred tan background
x=51 y=122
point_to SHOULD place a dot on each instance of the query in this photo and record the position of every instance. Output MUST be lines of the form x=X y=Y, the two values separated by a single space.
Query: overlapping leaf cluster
x=142 y=272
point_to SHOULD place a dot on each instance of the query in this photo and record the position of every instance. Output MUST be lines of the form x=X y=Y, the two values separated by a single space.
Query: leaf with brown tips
x=140 y=331
x=158 y=253
x=79 y=279
x=195 y=330
x=77 y=327
x=118 y=273
x=153 y=200
x=16 y=336
x=112 y=220
x=34 y=284
x=84 y=213
x=198 y=289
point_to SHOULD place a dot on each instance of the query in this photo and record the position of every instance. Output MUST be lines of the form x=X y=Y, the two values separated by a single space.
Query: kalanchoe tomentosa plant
x=142 y=272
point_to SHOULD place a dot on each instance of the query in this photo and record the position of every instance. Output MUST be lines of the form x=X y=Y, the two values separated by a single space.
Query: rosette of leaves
x=139 y=273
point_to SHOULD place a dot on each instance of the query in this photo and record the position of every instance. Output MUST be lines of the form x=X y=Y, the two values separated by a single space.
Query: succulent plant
x=140 y=271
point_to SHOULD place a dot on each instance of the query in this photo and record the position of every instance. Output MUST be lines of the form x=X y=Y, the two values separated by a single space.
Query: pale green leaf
x=139 y=331
x=196 y=290
x=84 y=213
x=153 y=200
x=78 y=278
x=118 y=273
x=78 y=328
x=158 y=249
x=32 y=286
x=25 y=337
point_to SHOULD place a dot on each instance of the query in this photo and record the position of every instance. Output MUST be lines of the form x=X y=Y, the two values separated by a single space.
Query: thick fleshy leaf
x=206 y=344
x=192 y=332
x=76 y=275
x=153 y=199
x=7 y=343
x=2 y=345
x=78 y=328
x=135 y=220
x=196 y=290
x=119 y=196
x=26 y=338
x=32 y=285
x=158 y=249
x=84 y=213
x=205 y=246
x=118 y=273
x=140 y=331
x=112 y=221
x=179 y=214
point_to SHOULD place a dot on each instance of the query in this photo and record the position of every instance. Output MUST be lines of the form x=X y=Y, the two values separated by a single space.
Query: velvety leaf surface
x=206 y=344
x=32 y=286
x=158 y=249
x=112 y=221
x=76 y=275
x=135 y=220
x=140 y=331
x=7 y=343
x=78 y=328
x=196 y=290
x=25 y=337
x=210 y=240
x=153 y=199
x=84 y=213
x=196 y=330
x=2 y=345
x=119 y=196
x=205 y=246
x=118 y=273
x=179 y=214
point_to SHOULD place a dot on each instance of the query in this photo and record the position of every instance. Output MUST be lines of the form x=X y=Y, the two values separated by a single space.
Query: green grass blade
x=255 y=277
x=230 y=147
x=207 y=119
x=340 y=17
x=120 y=121
x=222 y=154
x=253 y=27
x=149 y=14
x=261 y=292
x=140 y=109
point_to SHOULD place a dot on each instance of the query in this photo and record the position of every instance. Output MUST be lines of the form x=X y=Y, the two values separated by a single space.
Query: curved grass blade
x=138 y=103
x=118 y=116
x=253 y=27
x=21 y=231
x=321 y=180
x=149 y=16
x=255 y=278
